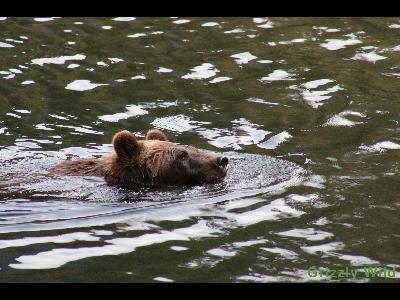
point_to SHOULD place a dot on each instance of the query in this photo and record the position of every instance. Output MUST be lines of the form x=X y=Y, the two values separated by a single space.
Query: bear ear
x=155 y=134
x=126 y=144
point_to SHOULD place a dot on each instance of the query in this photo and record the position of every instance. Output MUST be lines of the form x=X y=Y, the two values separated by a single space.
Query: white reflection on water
x=317 y=98
x=136 y=35
x=134 y=110
x=57 y=239
x=221 y=252
x=358 y=260
x=340 y=120
x=316 y=83
x=336 y=44
x=380 y=147
x=258 y=100
x=203 y=71
x=178 y=123
x=300 y=40
x=275 y=141
x=138 y=77
x=315 y=181
x=163 y=279
x=369 y=57
x=58 y=257
x=309 y=234
x=236 y=30
x=242 y=133
x=265 y=61
x=220 y=79
x=260 y=20
x=181 y=21
x=80 y=129
x=6 y=45
x=73 y=66
x=278 y=75
x=83 y=85
x=282 y=252
x=124 y=19
x=266 y=21
x=244 y=57
x=324 y=248
x=275 y=210
x=179 y=248
x=45 y=19
x=210 y=24
x=57 y=60
x=164 y=70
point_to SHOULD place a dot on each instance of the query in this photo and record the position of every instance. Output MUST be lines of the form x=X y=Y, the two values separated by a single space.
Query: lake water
x=307 y=110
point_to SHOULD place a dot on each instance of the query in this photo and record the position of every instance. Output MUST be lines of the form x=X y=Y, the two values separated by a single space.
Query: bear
x=154 y=161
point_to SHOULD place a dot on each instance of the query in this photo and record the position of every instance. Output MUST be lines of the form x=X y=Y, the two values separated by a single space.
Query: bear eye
x=182 y=154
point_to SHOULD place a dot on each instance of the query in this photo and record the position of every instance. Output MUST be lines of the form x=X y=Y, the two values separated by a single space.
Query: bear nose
x=222 y=161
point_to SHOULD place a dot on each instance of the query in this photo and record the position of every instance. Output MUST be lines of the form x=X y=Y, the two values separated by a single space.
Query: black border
x=214 y=8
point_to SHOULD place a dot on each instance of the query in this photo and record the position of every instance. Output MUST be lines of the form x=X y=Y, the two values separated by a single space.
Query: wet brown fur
x=79 y=167
x=149 y=162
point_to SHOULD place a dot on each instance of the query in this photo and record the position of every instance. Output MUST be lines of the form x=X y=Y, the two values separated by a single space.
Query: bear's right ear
x=126 y=144
x=155 y=134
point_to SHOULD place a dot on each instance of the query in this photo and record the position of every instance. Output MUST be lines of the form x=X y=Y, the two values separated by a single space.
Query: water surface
x=307 y=110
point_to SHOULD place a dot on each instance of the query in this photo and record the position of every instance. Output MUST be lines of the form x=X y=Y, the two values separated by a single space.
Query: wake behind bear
x=154 y=161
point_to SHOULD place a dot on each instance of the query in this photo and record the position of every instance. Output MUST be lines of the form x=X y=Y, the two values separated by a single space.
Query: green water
x=307 y=110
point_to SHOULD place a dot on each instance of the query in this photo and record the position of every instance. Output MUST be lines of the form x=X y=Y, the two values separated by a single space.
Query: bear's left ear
x=126 y=144
x=155 y=134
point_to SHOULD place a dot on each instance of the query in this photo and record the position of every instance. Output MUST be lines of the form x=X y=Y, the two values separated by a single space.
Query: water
x=307 y=110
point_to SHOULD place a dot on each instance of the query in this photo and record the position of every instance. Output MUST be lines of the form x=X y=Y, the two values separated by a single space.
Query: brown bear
x=154 y=161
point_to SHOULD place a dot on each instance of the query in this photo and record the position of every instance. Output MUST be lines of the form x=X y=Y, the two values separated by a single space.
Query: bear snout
x=222 y=161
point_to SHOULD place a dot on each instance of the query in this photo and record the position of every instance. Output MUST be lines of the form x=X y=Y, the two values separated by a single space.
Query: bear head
x=156 y=161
